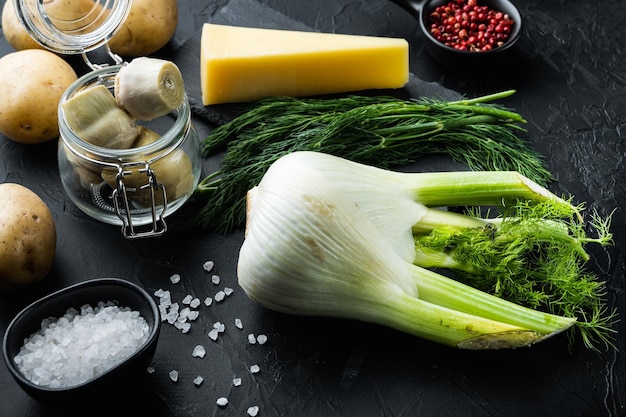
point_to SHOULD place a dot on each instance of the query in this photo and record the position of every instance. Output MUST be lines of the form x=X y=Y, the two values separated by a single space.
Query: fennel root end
x=506 y=340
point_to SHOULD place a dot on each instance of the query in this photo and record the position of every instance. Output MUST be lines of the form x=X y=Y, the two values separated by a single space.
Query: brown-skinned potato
x=13 y=31
x=33 y=82
x=27 y=237
x=149 y=27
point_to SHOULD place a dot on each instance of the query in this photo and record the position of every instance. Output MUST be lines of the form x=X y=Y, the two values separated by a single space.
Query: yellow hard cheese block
x=240 y=64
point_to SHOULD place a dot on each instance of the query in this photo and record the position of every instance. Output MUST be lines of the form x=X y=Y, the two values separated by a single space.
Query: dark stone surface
x=570 y=75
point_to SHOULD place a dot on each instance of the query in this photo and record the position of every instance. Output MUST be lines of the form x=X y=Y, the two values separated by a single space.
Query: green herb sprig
x=374 y=130
x=532 y=254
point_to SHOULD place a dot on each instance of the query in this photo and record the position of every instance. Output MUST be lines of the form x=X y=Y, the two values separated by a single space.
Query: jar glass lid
x=72 y=26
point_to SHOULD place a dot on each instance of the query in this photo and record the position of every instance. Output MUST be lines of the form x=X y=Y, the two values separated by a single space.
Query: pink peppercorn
x=466 y=26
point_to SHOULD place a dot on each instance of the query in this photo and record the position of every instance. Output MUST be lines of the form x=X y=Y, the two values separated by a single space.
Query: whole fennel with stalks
x=330 y=237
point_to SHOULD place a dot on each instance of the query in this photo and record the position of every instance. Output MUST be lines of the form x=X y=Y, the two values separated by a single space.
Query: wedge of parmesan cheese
x=240 y=64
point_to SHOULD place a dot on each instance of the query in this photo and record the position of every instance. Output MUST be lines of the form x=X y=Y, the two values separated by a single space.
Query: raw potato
x=33 y=81
x=149 y=27
x=27 y=237
x=15 y=34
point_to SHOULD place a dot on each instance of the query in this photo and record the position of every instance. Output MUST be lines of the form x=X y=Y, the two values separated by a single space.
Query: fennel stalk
x=379 y=131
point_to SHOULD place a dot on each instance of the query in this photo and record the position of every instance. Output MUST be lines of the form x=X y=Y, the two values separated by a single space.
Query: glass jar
x=74 y=26
x=134 y=188
x=137 y=187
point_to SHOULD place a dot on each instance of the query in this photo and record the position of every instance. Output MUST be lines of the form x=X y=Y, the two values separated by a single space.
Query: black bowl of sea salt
x=83 y=342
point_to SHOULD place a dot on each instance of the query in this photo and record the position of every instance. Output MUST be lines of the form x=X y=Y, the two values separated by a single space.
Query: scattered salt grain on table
x=81 y=344
x=218 y=328
x=184 y=327
x=165 y=302
x=175 y=279
x=213 y=334
x=208 y=266
x=194 y=303
x=171 y=313
x=199 y=351
x=174 y=375
x=184 y=313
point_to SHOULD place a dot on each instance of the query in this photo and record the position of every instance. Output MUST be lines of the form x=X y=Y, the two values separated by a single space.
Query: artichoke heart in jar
x=127 y=170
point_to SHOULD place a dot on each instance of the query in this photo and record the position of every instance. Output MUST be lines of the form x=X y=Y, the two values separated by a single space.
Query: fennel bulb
x=321 y=241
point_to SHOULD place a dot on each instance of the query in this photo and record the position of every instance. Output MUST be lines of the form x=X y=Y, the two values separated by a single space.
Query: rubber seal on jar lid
x=75 y=26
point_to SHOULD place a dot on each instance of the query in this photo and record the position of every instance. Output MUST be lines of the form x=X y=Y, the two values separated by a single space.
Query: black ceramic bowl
x=28 y=321
x=446 y=55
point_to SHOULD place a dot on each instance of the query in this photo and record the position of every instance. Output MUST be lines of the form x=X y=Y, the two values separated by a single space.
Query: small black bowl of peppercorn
x=466 y=32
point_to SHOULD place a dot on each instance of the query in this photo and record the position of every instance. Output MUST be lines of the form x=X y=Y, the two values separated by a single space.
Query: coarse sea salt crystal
x=219 y=296
x=253 y=411
x=184 y=327
x=261 y=339
x=213 y=334
x=171 y=313
x=81 y=344
x=198 y=380
x=199 y=351
x=222 y=401
x=251 y=339
x=215 y=279
x=228 y=291
x=166 y=297
x=237 y=382
x=194 y=303
x=238 y=324
x=184 y=313
x=208 y=266
x=187 y=299
x=208 y=301
x=255 y=369
x=173 y=375
x=175 y=278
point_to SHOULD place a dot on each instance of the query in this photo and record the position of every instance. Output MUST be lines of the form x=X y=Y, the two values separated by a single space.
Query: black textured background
x=569 y=71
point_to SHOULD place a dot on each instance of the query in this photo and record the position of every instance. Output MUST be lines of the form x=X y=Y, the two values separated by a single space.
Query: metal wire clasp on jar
x=137 y=187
